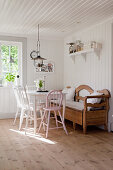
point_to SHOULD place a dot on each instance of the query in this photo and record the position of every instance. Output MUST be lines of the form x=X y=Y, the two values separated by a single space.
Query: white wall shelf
x=85 y=52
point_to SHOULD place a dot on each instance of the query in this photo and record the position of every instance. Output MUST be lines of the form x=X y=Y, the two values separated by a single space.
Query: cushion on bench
x=95 y=100
x=70 y=93
x=75 y=105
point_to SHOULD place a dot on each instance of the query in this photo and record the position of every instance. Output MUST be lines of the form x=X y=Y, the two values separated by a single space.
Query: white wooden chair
x=19 y=103
x=27 y=110
x=30 y=88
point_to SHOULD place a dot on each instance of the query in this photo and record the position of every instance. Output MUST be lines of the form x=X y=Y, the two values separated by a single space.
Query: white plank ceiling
x=56 y=17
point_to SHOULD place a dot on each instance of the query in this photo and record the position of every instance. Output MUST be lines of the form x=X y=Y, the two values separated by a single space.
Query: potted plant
x=40 y=85
x=10 y=78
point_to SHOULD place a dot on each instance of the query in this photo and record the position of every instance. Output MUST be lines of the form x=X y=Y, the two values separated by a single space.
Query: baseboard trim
x=7 y=115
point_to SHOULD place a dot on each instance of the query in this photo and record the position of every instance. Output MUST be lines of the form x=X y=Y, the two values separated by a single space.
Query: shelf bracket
x=85 y=52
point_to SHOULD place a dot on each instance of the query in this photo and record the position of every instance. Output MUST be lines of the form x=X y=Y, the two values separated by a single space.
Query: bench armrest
x=100 y=96
x=95 y=105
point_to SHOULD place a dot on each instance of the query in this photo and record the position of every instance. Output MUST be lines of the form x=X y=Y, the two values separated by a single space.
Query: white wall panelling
x=93 y=72
x=7 y=103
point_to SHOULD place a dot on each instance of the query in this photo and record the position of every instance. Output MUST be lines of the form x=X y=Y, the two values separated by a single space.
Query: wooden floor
x=76 y=151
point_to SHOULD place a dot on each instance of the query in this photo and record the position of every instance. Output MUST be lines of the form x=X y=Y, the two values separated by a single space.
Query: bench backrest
x=90 y=90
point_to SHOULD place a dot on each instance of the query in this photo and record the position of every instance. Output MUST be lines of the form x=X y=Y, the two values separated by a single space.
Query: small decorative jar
x=93 y=44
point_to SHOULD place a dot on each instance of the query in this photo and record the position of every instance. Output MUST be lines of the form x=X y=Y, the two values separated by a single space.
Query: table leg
x=35 y=115
x=64 y=105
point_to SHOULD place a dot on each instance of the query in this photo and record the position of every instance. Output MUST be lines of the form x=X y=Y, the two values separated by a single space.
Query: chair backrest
x=54 y=99
x=17 y=96
x=24 y=97
x=30 y=88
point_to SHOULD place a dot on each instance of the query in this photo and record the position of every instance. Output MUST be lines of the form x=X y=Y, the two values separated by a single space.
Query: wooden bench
x=86 y=117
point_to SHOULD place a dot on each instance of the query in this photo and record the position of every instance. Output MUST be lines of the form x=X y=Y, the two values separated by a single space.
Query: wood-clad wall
x=7 y=103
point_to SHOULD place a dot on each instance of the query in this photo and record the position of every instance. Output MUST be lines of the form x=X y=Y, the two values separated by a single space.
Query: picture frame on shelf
x=47 y=67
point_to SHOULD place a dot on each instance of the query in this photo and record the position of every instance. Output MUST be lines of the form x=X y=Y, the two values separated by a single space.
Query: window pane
x=5 y=58
x=9 y=56
x=14 y=59
x=14 y=52
x=5 y=50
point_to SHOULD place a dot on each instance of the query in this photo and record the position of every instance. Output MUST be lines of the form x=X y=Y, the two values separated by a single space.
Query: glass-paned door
x=10 y=61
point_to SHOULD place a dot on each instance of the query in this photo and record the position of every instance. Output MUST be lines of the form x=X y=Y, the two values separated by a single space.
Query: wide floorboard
x=76 y=151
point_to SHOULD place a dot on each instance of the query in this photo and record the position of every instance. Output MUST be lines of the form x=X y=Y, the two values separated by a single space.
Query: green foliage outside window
x=10 y=77
x=9 y=56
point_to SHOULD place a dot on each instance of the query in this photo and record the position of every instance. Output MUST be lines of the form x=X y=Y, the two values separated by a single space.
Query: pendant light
x=35 y=55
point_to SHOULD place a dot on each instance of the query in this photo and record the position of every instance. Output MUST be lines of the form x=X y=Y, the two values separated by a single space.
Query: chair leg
x=16 y=115
x=56 y=119
x=41 y=121
x=21 y=119
x=63 y=123
x=41 y=115
x=48 y=124
x=27 y=119
x=26 y=125
x=30 y=114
